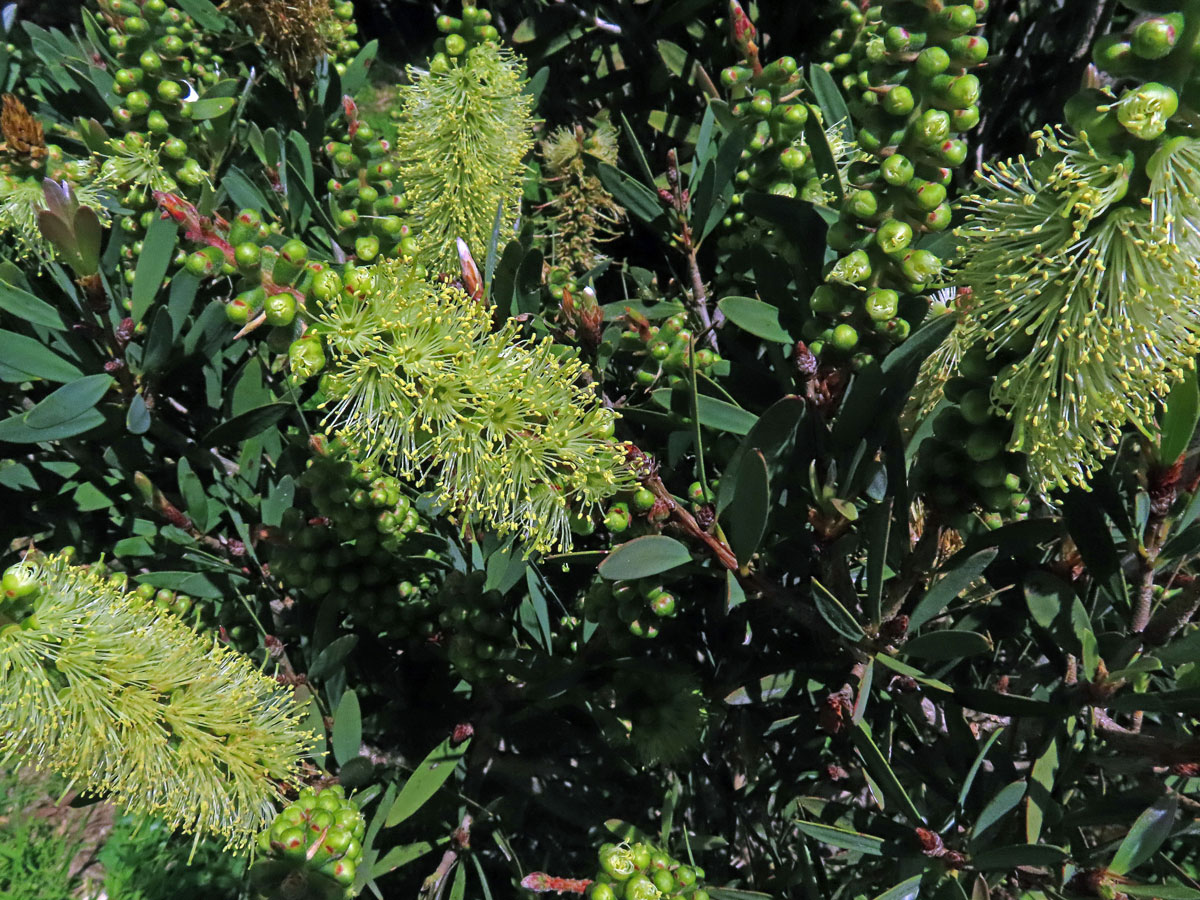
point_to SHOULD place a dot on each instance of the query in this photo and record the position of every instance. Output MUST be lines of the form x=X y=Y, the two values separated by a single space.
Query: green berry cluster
x=914 y=96
x=643 y=871
x=313 y=848
x=777 y=160
x=358 y=548
x=635 y=607
x=461 y=34
x=161 y=63
x=844 y=43
x=965 y=465
x=1152 y=47
x=474 y=626
x=364 y=196
x=665 y=351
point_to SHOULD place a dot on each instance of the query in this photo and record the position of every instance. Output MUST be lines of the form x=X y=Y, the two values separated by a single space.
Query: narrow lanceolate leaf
x=1145 y=836
x=100 y=687
x=425 y=780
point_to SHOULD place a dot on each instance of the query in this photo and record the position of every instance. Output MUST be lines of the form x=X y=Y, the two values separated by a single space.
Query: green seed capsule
x=247 y=256
x=169 y=92
x=854 y=268
x=306 y=357
x=931 y=129
x=932 y=61
x=957 y=19
x=1114 y=55
x=893 y=236
x=920 y=266
x=280 y=309
x=964 y=119
x=845 y=337
x=138 y=102
x=969 y=50
x=150 y=62
x=1155 y=38
x=898 y=101
x=156 y=122
x=926 y=195
x=882 y=304
x=863 y=204
x=938 y=218
x=896 y=169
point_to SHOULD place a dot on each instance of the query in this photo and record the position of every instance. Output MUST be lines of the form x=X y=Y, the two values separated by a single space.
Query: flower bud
x=1144 y=111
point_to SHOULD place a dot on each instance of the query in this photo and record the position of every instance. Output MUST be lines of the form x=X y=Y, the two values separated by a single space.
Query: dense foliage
x=634 y=449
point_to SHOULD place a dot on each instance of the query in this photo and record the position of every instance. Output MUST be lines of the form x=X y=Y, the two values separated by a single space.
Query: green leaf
x=879 y=530
x=1046 y=596
x=1007 y=704
x=67 y=404
x=773 y=434
x=159 y=340
x=965 y=790
x=194 y=583
x=330 y=659
x=1145 y=836
x=400 y=856
x=1010 y=857
x=158 y=248
x=356 y=72
x=26 y=359
x=210 y=108
x=247 y=425
x=878 y=766
x=904 y=669
x=839 y=837
x=347 y=728
x=29 y=308
x=747 y=515
x=758 y=318
x=425 y=780
x=769 y=688
x=829 y=98
x=1160 y=891
x=908 y=889
x=713 y=413
x=955 y=580
x=949 y=644
x=632 y=194
x=643 y=557
x=137 y=419
x=835 y=615
x=1040 y=795
x=998 y=807
x=1181 y=412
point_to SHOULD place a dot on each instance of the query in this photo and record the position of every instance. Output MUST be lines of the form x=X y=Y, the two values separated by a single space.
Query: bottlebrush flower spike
x=499 y=424
x=461 y=141
x=582 y=213
x=131 y=703
x=1095 y=296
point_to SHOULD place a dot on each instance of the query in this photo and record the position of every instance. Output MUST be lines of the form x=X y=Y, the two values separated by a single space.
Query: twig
x=460 y=840
x=679 y=201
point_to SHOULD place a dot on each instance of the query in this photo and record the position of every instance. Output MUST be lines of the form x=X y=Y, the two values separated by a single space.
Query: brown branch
x=1168 y=621
x=710 y=320
x=460 y=840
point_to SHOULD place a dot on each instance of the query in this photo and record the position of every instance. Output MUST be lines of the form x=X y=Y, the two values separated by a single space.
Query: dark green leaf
x=425 y=780
x=909 y=889
x=158 y=247
x=949 y=644
x=355 y=75
x=210 y=108
x=1006 y=704
x=714 y=413
x=904 y=669
x=400 y=856
x=953 y=582
x=839 y=837
x=1145 y=836
x=643 y=557
x=28 y=308
x=773 y=434
x=250 y=423
x=1160 y=891
x=26 y=359
x=69 y=402
x=965 y=790
x=633 y=195
x=347 y=728
x=159 y=340
x=137 y=419
x=835 y=614
x=769 y=688
x=998 y=807
x=758 y=318
x=747 y=514
x=878 y=766
x=194 y=583
x=1182 y=411
x=1041 y=789
x=330 y=659
x=829 y=98
x=1033 y=855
